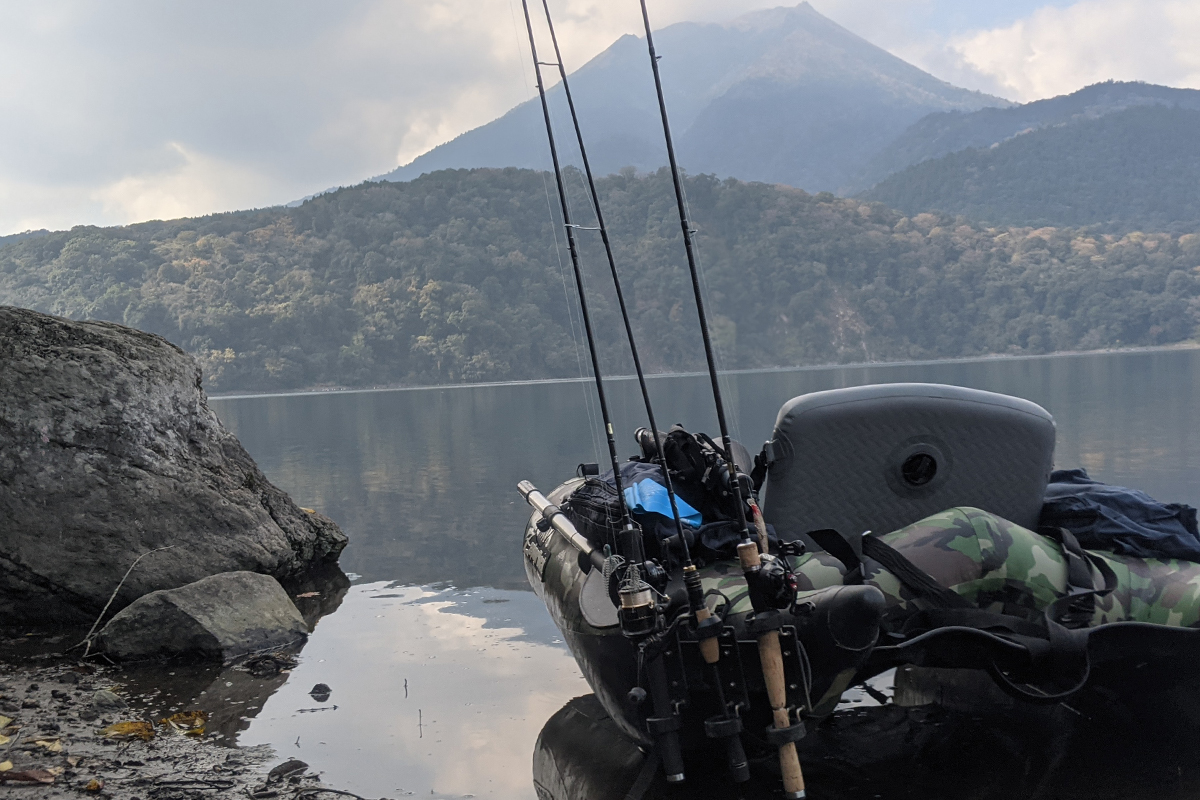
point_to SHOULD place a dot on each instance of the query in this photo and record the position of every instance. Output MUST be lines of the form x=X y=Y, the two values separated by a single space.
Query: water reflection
x=1106 y=744
x=433 y=692
x=231 y=696
x=423 y=482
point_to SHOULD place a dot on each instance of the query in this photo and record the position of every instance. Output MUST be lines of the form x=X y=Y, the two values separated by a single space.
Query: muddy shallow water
x=444 y=667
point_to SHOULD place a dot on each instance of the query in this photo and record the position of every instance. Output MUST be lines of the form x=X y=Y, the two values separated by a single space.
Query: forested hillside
x=1133 y=169
x=457 y=277
x=942 y=133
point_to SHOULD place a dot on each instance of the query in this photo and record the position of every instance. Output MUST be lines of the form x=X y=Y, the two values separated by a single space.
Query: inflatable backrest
x=881 y=457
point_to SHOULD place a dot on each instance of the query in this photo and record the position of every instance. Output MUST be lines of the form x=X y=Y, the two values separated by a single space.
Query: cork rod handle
x=771 y=656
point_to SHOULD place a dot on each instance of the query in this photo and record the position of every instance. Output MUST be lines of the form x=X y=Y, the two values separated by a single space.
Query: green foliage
x=1138 y=168
x=457 y=276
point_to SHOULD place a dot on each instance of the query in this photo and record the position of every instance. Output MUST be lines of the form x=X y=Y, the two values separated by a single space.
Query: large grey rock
x=220 y=617
x=108 y=450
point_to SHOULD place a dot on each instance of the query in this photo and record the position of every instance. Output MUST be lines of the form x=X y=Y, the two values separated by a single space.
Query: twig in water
x=87 y=640
x=16 y=737
x=318 y=790
x=201 y=782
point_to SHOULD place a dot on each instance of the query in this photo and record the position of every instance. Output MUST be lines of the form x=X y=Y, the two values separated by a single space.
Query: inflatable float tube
x=961 y=587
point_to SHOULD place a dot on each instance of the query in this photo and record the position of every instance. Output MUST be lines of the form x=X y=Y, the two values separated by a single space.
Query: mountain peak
x=778 y=18
x=783 y=95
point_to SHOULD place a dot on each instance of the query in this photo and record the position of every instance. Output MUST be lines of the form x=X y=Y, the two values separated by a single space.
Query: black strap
x=645 y=776
x=1062 y=626
x=913 y=577
x=934 y=618
x=1078 y=606
x=1058 y=639
x=836 y=545
x=704 y=437
x=759 y=474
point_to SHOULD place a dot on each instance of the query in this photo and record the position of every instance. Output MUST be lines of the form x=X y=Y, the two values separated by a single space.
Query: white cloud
x=134 y=109
x=198 y=185
x=1056 y=51
x=484 y=691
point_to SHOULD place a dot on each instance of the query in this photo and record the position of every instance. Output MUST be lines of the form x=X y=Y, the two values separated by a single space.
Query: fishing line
x=727 y=386
x=562 y=273
x=633 y=542
x=571 y=310
x=588 y=399
x=570 y=304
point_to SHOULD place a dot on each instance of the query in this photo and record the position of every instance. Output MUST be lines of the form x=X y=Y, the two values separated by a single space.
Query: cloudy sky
x=130 y=110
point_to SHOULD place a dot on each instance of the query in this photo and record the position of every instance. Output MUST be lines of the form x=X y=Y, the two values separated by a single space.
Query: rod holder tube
x=666 y=731
x=559 y=522
x=771 y=656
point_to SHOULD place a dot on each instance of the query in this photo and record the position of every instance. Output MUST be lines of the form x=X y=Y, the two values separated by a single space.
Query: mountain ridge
x=1134 y=169
x=783 y=95
x=942 y=133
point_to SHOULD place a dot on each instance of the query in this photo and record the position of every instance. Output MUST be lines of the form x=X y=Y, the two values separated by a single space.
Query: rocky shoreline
x=127 y=505
x=67 y=730
x=110 y=457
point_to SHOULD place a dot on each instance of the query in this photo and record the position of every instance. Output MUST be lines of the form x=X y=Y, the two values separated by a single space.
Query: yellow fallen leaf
x=5 y=739
x=5 y=721
x=95 y=785
x=73 y=761
x=5 y=766
x=53 y=745
x=307 y=510
x=56 y=771
x=190 y=723
x=137 y=729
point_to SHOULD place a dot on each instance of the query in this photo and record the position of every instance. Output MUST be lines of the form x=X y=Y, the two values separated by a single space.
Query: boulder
x=108 y=451
x=219 y=618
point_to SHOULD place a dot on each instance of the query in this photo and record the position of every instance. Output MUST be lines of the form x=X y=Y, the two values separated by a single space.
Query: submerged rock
x=220 y=617
x=108 y=451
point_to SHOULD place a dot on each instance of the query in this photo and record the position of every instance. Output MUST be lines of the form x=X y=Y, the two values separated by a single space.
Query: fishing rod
x=573 y=247
x=707 y=626
x=756 y=565
x=638 y=610
x=689 y=567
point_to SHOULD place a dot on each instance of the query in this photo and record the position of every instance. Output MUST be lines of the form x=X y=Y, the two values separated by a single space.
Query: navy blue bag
x=1119 y=520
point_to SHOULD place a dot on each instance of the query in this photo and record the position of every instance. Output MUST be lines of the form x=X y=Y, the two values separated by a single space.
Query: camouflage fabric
x=998 y=566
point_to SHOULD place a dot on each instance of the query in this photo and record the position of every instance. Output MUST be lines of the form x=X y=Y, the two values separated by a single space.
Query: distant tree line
x=463 y=276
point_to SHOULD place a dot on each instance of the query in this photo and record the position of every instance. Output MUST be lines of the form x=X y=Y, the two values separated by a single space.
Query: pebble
x=105 y=700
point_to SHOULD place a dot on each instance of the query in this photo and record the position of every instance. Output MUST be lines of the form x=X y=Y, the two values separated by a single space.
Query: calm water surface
x=443 y=665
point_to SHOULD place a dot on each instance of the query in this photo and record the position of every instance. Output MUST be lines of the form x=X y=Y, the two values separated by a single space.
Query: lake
x=443 y=665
